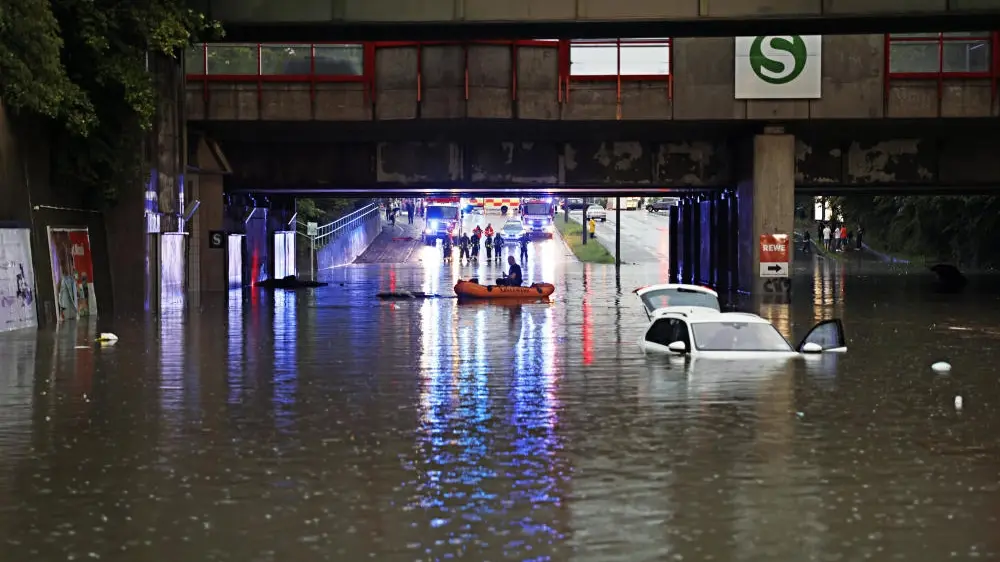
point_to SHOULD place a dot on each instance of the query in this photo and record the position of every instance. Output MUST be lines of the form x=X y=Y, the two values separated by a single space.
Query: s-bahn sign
x=779 y=67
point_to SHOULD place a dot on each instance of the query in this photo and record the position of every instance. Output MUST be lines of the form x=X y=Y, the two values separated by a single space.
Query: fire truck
x=442 y=217
x=536 y=215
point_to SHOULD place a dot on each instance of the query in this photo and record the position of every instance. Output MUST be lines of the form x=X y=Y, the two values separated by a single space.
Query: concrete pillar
x=673 y=248
x=697 y=241
x=766 y=203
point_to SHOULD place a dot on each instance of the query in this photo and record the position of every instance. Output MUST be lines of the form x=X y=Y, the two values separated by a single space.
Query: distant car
x=574 y=204
x=597 y=213
x=702 y=332
x=667 y=295
x=661 y=206
x=512 y=231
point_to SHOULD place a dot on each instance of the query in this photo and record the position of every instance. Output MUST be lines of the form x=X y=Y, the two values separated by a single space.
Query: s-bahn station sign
x=779 y=67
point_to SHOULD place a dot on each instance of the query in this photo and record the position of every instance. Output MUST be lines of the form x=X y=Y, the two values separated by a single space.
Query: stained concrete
x=523 y=83
x=513 y=11
x=822 y=161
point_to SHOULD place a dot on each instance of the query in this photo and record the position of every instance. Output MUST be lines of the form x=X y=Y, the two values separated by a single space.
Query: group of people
x=469 y=245
x=412 y=207
x=837 y=238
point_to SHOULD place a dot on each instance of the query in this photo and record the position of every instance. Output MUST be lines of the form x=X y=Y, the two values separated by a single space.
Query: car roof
x=667 y=286
x=705 y=315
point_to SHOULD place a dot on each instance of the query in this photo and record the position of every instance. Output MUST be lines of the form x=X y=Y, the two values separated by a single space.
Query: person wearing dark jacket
x=513 y=277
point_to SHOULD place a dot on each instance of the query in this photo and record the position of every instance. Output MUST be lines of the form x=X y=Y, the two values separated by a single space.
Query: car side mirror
x=812 y=348
x=678 y=347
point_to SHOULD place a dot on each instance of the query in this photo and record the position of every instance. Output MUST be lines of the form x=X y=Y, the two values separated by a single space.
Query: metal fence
x=323 y=235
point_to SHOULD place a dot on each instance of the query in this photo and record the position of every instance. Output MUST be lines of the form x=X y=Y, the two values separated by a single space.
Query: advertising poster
x=17 y=280
x=72 y=273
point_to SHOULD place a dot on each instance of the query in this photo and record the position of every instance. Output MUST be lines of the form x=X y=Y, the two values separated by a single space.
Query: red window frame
x=565 y=77
x=565 y=58
x=942 y=75
x=312 y=78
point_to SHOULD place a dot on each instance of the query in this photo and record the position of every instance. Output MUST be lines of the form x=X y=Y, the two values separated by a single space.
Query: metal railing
x=327 y=233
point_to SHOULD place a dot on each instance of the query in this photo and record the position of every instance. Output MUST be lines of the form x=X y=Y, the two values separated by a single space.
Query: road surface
x=644 y=235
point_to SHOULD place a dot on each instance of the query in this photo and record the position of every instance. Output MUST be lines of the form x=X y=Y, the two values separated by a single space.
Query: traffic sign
x=774 y=255
x=312 y=229
x=216 y=239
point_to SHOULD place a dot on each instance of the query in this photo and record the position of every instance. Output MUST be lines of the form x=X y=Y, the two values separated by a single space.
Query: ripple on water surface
x=329 y=426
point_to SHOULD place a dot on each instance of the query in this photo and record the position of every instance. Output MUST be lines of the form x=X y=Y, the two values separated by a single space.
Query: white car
x=512 y=231
x=597 y=213
x=666 y=295
x=701 y=332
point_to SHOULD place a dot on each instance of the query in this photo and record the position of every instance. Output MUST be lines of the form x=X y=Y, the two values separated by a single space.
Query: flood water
x=328 y=425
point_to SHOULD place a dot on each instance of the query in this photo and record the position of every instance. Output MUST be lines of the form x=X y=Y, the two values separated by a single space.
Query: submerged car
x=699 y=331
x=666 y=295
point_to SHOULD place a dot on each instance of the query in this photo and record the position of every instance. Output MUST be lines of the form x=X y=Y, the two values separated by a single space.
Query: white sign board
x=779 y=67
x=17 y=280
x=312 y=229
x=773 y=269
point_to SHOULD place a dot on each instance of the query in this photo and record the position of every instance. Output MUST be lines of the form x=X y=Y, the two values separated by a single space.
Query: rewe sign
x=774 y=255
x=779 y=67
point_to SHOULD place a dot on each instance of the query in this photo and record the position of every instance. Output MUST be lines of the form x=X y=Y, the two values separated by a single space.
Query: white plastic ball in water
x=941 y=367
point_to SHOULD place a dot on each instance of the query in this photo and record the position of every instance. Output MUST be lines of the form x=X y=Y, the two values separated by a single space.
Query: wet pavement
x=326 y=425
x=643 y=235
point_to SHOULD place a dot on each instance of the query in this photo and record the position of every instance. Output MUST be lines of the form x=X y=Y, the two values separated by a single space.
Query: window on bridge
x=930 y=55
x=636 y=58
x=298 y=59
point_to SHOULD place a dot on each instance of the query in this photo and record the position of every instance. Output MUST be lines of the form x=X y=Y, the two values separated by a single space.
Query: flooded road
x=331 y=426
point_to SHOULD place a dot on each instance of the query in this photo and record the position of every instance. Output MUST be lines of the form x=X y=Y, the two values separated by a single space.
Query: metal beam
x=682 y=27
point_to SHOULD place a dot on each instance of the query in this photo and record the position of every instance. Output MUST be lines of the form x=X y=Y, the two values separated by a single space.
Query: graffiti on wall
x=17 y=280
x=72 y=273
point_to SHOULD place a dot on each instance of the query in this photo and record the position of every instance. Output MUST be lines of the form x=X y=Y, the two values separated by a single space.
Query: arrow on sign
x=775 y=268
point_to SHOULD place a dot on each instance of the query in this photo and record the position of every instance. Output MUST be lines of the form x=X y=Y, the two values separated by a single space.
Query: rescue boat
x=473 y=290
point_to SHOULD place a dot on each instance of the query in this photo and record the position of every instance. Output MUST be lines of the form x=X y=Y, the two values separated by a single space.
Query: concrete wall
x=513 y=11
x=703 y=85
x=343 y=249
x=824 y=162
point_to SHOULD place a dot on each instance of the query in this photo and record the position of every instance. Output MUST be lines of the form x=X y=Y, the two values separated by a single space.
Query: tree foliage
x=957 y=229
x=84 y=65
x=325 y=210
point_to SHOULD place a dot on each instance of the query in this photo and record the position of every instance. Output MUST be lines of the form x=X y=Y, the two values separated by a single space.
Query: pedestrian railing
x=327 y=233
x=320 y=236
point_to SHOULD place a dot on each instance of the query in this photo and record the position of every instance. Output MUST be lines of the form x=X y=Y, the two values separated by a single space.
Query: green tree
x=84 y=65
x=957 y=229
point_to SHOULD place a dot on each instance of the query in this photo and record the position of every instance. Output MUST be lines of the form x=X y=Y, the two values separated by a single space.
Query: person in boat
x=524 y=247
x=489 y=247
x=498 y=243
x=513 y=277
x=463 y=246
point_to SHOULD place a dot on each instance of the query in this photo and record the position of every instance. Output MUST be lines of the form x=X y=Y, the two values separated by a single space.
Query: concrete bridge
x=882 y=113
x=318 y=20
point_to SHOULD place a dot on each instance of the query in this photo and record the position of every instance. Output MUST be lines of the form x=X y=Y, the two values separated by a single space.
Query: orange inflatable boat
x=473 y=290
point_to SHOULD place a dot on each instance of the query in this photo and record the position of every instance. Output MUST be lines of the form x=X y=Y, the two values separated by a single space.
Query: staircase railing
x=328 y=233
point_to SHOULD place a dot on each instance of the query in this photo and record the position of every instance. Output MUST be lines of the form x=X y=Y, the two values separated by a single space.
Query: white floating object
x=107 y=337
x=941 y=367
x=958 y=402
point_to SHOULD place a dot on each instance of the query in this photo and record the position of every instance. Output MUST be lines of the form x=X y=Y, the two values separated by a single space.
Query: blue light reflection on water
x=487 y=443
x=234 y=346
x=285 y=359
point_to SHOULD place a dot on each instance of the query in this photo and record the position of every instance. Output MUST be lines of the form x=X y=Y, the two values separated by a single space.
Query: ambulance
x=442 y=217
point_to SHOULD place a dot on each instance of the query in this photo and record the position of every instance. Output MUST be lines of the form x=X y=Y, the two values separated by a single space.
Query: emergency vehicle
x=536 y=216
x=442 y=217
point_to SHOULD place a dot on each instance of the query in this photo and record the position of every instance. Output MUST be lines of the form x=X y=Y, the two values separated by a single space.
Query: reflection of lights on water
x=285 y=357
x=430 y=365
x=234 y=350
x=430 y=257
x=392 y=280
x=173 y=375
x=588 y=342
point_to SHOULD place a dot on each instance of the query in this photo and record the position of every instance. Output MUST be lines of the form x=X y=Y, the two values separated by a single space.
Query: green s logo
x=778 y=59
